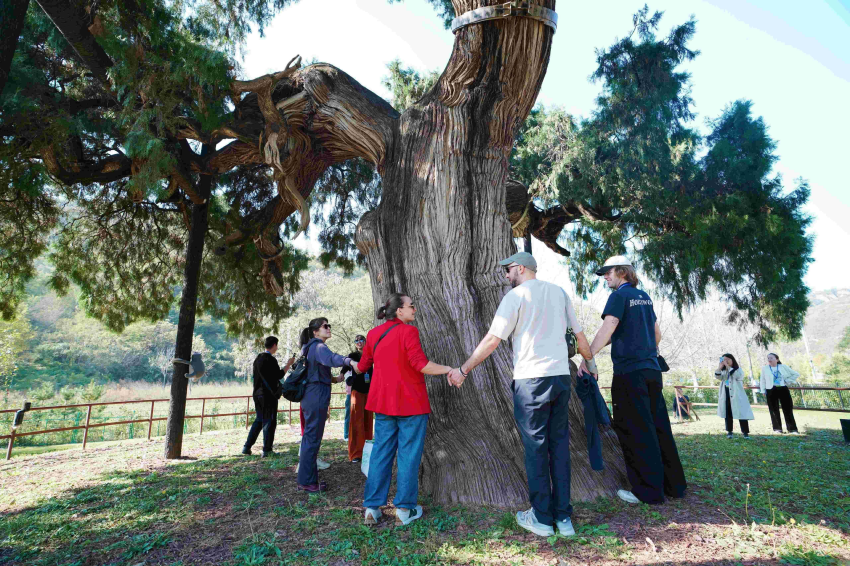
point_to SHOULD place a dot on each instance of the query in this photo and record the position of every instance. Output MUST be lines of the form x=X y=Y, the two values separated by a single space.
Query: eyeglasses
x=326 y=325
x=509 y=267
x=411 y=305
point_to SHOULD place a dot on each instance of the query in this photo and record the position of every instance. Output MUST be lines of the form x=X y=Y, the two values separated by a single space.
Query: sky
x=790 y=58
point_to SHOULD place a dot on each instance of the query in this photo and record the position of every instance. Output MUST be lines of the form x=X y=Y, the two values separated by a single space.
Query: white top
x=769 y=377
x=536 y=316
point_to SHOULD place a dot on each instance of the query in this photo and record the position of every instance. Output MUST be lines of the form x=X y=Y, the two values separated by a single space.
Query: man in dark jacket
x=267 y=375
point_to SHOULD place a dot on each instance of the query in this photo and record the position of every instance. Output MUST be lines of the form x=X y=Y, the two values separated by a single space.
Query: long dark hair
x=307 y=333
x=734 y=361
x=778 y=361
x=388 y=311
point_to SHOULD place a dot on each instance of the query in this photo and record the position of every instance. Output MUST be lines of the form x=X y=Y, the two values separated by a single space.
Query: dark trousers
x=542 y=413
x=777 y=396
x=266 y=420
x=314 y=405
x=745 y=426
x=643 y=427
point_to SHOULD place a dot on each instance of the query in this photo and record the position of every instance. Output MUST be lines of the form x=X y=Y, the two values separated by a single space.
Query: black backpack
x=295 y=384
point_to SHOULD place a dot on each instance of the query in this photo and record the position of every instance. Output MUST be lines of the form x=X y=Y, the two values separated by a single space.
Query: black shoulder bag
x=295 y=384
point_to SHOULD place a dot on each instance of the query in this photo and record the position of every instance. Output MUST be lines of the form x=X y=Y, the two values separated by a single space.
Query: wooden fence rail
x=843 y=397
x=150 y=420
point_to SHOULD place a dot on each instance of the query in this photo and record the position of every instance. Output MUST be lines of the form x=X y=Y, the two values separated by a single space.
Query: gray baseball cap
x=521 y=258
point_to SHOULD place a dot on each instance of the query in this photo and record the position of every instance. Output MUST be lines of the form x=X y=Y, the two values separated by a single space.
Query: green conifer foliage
x=696 y=213
x=102 y=116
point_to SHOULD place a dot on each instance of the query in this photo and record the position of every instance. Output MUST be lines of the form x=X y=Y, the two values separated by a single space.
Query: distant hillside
x=826 y=320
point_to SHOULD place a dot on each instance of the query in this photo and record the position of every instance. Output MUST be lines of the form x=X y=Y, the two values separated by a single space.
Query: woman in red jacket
x=400 y=402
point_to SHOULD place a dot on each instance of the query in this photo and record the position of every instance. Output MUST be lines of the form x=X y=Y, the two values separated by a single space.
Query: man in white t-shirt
x=535 y=315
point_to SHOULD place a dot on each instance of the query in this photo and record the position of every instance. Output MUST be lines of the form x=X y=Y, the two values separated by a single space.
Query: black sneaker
x=246 y=451
x=270 y=453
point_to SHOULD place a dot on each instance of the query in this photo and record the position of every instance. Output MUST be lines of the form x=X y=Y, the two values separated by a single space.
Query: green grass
x=776 y=500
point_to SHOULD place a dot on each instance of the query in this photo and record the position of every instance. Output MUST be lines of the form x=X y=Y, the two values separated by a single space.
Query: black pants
x=315 y=405
x=266 y=421
x=745 y=426
x=643 y=427
x=542 y=413
x=777 y=396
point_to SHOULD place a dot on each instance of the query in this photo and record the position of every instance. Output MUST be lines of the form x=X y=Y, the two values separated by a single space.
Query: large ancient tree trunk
x=438 y=234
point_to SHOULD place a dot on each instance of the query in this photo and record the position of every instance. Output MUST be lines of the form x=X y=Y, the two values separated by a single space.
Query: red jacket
x=398 y=386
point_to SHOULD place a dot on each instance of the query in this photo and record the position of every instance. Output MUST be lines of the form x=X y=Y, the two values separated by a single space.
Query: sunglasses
x=509 y=267
x=326 y=325
x=360 y=341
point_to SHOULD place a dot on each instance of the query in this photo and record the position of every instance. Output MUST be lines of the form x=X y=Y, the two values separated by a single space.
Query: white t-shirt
x=535 y=314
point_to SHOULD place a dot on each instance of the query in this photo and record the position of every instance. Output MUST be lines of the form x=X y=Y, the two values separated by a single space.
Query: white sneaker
x=321 y=464
x=565 y=527
x=627 y=496
x=372 y=516
x=406 y=516
x=529 y=522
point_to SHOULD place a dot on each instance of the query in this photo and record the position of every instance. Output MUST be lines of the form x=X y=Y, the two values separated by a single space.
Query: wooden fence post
x=11 y=443
x=203 y=410
x=247 y=412
x=150 y=421
x=86 y=433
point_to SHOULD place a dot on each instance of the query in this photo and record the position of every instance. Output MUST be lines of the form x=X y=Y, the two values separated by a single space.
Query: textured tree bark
x=186 y=320
x=438 y=234
x=13 y=14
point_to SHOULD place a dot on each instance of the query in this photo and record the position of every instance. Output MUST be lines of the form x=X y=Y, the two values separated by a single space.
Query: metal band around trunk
x=519 y=8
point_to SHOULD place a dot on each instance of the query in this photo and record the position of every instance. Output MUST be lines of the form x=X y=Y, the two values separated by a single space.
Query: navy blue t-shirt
x=633 y=344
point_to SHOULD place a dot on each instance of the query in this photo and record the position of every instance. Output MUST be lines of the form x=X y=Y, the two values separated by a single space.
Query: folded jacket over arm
x=595 y=414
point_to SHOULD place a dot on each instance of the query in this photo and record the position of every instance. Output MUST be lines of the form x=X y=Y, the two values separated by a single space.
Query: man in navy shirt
x=640 y=412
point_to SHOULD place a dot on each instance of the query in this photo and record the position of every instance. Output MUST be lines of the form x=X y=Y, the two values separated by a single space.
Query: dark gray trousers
x=542 y=413
x=315 y=405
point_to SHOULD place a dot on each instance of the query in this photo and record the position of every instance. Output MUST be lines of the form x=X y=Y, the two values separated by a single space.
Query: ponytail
x=388 y=311
x=307 y=333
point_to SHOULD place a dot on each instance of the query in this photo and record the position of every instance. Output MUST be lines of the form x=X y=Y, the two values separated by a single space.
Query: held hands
x=455 y=377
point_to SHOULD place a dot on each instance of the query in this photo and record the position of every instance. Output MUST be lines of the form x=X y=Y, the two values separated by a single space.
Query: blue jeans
x=347 y=416
x=405 y=436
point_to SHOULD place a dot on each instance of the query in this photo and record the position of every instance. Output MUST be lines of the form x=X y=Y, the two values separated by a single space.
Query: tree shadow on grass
x=247 y=510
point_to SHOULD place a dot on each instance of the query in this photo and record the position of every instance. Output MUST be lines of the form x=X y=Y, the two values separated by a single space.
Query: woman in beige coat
x=732 y=399
x=774 y=382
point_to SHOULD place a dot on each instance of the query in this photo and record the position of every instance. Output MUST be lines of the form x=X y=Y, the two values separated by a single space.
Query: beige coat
x=766 y=381
x=740 y=403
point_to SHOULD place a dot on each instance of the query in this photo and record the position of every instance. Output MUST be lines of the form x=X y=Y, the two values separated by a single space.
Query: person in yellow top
x=775 y=377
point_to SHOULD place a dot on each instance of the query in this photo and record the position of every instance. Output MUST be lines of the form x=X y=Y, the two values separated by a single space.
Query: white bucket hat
x=611 y=262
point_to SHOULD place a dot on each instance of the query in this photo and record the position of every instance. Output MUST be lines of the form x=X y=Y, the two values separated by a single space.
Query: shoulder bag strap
x=387 y=331
x=266 y=383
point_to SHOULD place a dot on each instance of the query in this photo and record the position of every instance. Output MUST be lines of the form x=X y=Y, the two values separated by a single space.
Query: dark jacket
x=267 y=365
x=320 y=360
x=595 y=414
x=359 y=382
